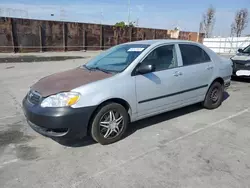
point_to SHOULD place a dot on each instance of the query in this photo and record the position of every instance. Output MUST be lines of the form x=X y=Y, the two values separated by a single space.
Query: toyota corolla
x=126 y=83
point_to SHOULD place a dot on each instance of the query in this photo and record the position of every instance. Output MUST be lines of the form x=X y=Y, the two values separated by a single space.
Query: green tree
x=123 y=24
x=131 y=24
x=120 y=24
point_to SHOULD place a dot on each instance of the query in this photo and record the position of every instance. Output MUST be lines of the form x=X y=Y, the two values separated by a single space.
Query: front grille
x=240 y=65
x=34 y=97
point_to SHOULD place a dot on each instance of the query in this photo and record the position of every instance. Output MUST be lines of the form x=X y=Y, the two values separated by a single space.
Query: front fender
x=96 y=93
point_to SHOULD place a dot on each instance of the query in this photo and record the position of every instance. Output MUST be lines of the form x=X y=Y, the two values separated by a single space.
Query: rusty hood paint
x=67 y=80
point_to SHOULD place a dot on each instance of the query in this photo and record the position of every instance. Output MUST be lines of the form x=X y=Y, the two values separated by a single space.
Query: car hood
x=241 y=57
x=67 y=80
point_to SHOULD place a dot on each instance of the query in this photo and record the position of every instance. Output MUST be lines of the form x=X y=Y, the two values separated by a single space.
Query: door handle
x=177 y=73
x=210 y=67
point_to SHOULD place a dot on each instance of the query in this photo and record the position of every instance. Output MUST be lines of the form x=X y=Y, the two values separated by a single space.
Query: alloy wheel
x=111 y=124
x=214 y=96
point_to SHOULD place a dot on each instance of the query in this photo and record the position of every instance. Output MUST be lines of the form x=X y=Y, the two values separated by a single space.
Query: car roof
x=160 y=41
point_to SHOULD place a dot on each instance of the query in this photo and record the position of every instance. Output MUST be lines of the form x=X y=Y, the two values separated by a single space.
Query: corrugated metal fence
x=27 y=35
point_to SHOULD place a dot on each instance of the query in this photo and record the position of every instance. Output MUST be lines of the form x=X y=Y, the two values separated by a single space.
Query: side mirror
x=240 y=50
x=145 y=68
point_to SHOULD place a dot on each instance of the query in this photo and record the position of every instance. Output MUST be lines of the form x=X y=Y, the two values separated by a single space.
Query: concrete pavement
x=190 y=147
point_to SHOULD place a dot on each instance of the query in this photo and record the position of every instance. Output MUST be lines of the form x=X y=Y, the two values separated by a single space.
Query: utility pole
x=137 y=22
x=101 y=17
x=62 y=14
x=128 y=12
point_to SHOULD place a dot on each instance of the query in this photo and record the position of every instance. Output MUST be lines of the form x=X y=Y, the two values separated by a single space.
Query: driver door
x=155 y=90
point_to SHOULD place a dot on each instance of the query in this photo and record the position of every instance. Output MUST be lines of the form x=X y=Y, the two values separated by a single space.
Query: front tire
x=109 y=123
x=214 y=96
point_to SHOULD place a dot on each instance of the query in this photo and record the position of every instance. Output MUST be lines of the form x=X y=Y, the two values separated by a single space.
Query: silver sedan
x=124 y=84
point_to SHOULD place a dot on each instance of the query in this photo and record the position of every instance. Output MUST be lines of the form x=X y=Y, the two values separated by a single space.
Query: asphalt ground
x=190 y=147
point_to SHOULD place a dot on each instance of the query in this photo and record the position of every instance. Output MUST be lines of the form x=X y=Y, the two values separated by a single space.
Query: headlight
x=61 y=100
x=247 y=64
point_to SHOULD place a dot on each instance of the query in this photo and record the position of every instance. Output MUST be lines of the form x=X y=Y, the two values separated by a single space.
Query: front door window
x=162 y=58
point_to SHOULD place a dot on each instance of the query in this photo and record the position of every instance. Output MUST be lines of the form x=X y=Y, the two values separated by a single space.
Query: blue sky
x=165 y=14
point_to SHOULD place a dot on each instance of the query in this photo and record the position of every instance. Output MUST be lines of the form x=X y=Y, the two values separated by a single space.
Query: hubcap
x=111 y=124
x=214 y=95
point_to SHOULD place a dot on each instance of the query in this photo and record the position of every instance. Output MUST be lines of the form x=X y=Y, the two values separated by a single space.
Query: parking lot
x=190 y=147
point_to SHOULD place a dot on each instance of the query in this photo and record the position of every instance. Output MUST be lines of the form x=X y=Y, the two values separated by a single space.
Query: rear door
x=197 y=72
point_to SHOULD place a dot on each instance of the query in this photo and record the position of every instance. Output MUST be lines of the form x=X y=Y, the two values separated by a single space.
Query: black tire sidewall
x=208 y=102
x=95 y=129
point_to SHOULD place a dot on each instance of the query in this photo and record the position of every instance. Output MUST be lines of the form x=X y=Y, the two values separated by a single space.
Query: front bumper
x=64 y=122
x=235 y=75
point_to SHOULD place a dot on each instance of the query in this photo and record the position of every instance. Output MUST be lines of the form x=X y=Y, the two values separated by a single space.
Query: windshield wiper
x=85 y=67
x=99 y=69
x=103 y=70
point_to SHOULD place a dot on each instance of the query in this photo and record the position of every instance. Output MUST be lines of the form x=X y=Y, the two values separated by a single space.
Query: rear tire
x=109 y=123
x=214 y=96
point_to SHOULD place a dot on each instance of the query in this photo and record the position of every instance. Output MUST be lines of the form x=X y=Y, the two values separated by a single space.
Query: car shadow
x=135 y=126
x=75 y=143
x=225 y=95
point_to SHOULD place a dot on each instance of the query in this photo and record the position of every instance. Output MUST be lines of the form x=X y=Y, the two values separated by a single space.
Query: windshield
x=117 y=58
x=247 y=49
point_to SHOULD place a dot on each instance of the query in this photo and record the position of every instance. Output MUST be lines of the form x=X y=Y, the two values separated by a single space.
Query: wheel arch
x=218 y=79
x=120 y=101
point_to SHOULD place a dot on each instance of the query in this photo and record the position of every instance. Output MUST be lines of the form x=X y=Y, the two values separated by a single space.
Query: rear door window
x=192 y=54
